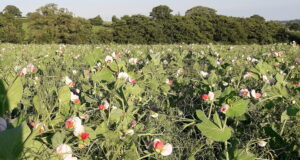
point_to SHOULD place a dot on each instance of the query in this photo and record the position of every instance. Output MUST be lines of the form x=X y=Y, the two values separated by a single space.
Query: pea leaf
x=14 y=94
x=211 y=130
x=237 y=108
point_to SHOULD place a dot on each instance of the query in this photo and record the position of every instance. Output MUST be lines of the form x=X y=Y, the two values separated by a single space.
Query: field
x=131 y=102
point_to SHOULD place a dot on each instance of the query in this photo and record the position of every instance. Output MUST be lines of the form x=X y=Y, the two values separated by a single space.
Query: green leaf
x=3 y=99
x=165 y=88
x=64 y=97
x=102 y=128
x=210 y=130
x=39 y=107
x=90 y=60
x=114 y=66
x=284 y=116
x=292 y=111
x=241 y=154
x=217 y=120
x=263 y=67
x=57 y=139
x=132 y=153
x=11 y=143
x=237 y=108
x=133 y=90
x=227 y=91
x=14 y=94
x=103 y=75
x=116 y=115
x=280 y=78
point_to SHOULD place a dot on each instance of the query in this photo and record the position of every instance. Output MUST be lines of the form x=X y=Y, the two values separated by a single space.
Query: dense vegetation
x=130 y=102
x=50 y=24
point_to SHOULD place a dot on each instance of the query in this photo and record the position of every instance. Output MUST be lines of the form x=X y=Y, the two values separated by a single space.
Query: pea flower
x=39 y=126
x=210 y=96
x=78 y=130
x=23 y=72
x=75 y=98
x=244 y=93
x=65 y=151
x=84 y=135
x=277 y=54
x=170 y=82
x=248 y=75
x=31 y=67
x=180 y=71
x=163 y=149
x=104 y=105
x=109 y=59
x=132 y=81
x=3 y=124
x=69 y=82
x=224 y=108
x=73 y=122
x=124 y=76
x=116 y=56
x=204 y=74
x=129 y=132
x=262 y=143
x=154 y=115
x=254 y=94
x=133 y=60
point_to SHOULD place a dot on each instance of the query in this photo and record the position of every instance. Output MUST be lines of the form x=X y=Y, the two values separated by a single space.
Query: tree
x=10 y=29
x=97 y=21
x=114 y=18
x=50 y=24
x=293 y=26
x=161 y=12
x=258 y=17
x=200 y=10
x=12 y=10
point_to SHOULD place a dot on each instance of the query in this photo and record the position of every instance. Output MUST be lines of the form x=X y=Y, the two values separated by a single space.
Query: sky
x=270 y=9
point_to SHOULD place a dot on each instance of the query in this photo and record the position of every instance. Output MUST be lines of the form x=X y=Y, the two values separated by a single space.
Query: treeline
x=50 y=24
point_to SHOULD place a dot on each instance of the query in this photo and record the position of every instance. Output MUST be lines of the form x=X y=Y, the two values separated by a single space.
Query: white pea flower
x=78 y=130
x=64 y=150
x=262 y=143
x=109 y=59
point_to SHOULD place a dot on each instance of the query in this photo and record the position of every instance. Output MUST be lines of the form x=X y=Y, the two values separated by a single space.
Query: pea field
x=149 y=102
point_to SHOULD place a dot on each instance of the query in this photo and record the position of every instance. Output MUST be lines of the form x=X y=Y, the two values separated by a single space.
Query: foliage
x=10 y=29
x=50 y=24
x=96 y=21
x=200 y=10
x=12 y=10
x=161 y=12
x=124 y=104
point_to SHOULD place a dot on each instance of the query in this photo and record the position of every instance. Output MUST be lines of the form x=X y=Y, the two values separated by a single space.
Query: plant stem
x=282 y=129
x=149 y=134
x=226 y=149
x=148 y=155
x=210 y=108
x=225 y=121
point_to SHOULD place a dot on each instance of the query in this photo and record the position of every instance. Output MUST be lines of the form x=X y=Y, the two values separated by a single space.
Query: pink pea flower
x=224 y=108
x=244 y=93
x=163 y=149
x=255 y=95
